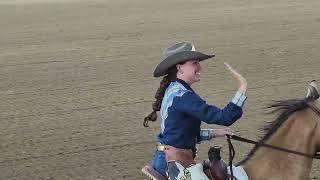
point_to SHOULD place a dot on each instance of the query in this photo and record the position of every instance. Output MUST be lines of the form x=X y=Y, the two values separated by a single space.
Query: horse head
x=313 y=94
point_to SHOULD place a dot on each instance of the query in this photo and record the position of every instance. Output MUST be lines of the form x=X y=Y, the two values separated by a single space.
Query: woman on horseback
x=182 y=110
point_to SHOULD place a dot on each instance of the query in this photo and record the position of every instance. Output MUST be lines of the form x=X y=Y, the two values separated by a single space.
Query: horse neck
x=296 y=134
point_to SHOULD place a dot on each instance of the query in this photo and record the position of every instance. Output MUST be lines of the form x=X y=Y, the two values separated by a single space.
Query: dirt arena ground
x=76 y=76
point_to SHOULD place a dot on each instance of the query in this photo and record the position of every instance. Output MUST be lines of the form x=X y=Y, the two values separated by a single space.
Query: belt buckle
x=161 y=147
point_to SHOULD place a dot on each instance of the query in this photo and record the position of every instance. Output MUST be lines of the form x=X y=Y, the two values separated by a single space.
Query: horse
x=296 y=132
x=297 y=128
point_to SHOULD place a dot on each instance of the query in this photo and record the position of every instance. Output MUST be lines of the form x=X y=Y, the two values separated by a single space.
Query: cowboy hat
x=176 y=54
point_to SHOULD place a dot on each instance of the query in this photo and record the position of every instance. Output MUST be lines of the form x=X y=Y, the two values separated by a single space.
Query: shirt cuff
x=205 y=134
x=239 y=99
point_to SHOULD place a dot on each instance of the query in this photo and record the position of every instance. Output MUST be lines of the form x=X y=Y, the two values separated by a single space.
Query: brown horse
x=297 y=128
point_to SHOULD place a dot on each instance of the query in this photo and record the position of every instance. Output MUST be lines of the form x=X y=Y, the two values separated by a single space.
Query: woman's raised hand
x=242 y=82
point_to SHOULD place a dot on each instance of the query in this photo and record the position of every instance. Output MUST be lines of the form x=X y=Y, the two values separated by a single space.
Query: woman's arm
x=191 y=104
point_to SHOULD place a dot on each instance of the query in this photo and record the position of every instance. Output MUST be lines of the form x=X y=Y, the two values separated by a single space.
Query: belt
x=164 y=147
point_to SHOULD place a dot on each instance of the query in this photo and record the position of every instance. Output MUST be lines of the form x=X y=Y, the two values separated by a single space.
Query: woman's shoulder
x=176 y=88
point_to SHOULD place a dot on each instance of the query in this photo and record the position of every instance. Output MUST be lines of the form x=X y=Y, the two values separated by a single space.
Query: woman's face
x=189 y=71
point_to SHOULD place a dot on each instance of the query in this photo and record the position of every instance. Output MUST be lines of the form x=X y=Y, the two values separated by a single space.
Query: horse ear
x=312 y=90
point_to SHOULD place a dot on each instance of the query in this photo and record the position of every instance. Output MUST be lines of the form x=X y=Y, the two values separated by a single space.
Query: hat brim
x=177 y=58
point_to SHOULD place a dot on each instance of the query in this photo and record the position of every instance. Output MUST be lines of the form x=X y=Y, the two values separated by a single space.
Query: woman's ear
x=179 y=68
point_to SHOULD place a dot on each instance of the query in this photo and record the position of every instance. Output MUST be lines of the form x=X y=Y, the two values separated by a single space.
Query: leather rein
x=238 y=138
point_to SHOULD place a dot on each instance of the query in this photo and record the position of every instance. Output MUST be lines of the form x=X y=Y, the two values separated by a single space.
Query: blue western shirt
x=182 y=111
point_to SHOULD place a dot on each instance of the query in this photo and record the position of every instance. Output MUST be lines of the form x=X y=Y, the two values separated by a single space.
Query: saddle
x=193 y=172
x=181 y=164
x=152 y=173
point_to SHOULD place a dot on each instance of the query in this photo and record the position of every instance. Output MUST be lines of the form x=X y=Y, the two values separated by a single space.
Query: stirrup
x=152 y=173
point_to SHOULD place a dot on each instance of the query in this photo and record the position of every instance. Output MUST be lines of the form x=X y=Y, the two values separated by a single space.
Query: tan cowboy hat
x=179 y=53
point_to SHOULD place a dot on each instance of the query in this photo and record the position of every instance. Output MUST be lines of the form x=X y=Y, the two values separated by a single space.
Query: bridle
x=314 y=108
x=311 y=105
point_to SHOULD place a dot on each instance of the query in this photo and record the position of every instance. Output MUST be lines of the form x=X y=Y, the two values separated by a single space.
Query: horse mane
x=285 y=108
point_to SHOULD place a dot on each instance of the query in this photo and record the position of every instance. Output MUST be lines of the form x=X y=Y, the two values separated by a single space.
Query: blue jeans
x=159 y=162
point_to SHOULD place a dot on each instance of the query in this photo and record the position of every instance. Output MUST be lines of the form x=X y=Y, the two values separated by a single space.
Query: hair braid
x=156 y=106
